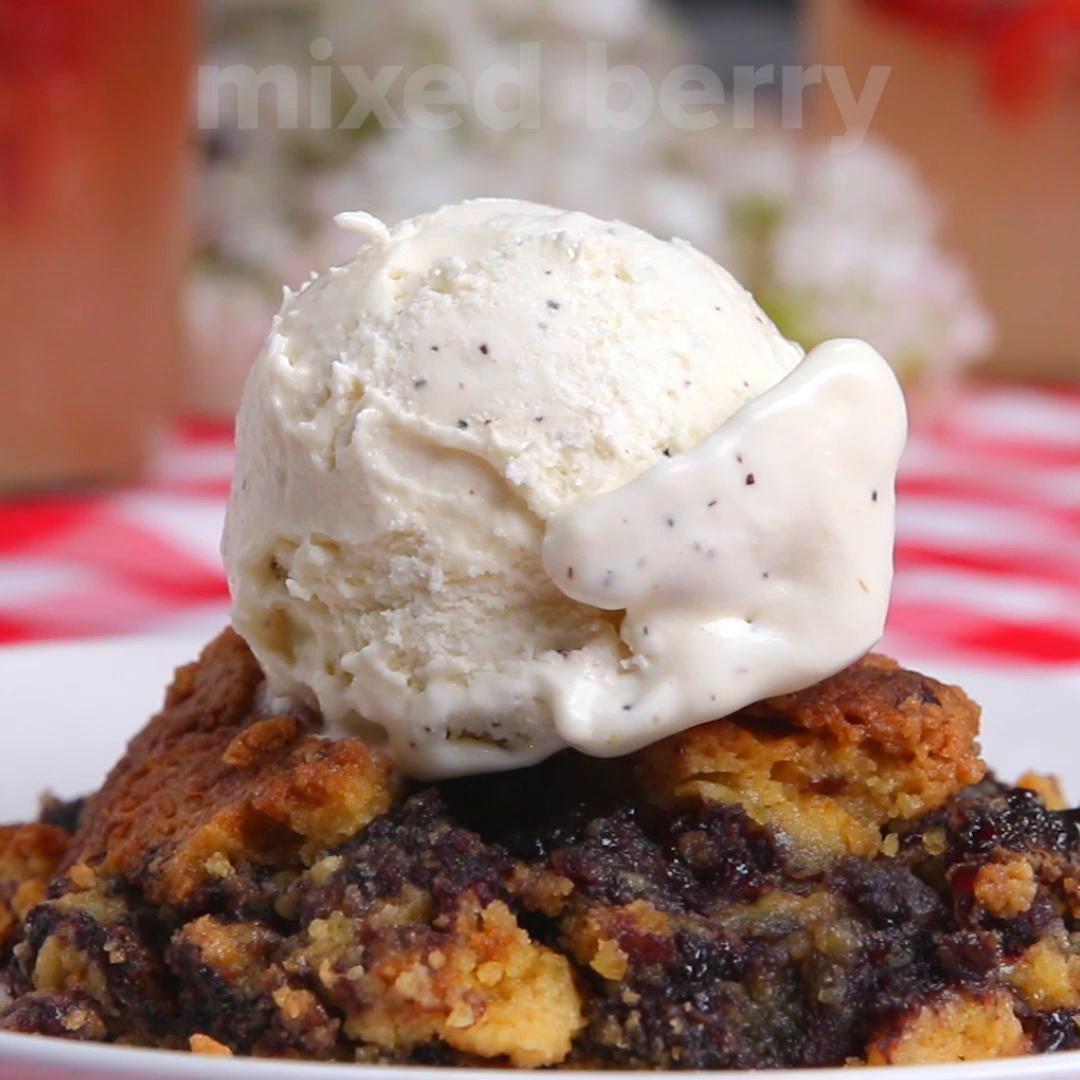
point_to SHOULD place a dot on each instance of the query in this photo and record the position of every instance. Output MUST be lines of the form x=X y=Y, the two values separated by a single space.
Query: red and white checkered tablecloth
x=988 y=545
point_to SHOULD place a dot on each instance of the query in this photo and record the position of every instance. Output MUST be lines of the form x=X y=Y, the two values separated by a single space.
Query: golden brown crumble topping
x=831 y=765
x=203 y=784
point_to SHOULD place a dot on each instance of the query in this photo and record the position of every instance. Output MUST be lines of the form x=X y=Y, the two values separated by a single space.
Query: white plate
x=73 y=706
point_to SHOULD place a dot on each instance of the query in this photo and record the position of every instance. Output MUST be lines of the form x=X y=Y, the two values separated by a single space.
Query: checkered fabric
x=988 y=539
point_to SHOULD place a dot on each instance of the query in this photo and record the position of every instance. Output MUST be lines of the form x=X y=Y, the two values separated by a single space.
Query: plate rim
x=87 y=1059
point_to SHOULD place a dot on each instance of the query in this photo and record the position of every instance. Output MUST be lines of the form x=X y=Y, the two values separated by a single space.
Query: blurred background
x=906 y=171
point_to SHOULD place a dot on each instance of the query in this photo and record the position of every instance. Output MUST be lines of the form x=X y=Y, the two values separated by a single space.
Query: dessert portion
x=826 y=877
x=516 y=479
x=549 y=734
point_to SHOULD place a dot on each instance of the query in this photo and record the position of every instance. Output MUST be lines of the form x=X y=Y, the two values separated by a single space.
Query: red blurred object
x=44 y=50
x=94 y=159
x=948 y=16
x=1032 y=51
x=1027 y=47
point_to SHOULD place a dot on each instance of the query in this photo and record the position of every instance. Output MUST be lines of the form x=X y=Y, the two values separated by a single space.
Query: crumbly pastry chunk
x=1047 y=787
x=965 y=1027
x=830 y=766
x=211 y=781
x=29 y=857
x=824 y=878
x=203 y=1044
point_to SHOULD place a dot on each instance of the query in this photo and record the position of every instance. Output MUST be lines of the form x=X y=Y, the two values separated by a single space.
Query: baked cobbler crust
x=827 y=877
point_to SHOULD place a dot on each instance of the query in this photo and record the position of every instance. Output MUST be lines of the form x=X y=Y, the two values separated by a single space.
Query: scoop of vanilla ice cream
x=414 y=421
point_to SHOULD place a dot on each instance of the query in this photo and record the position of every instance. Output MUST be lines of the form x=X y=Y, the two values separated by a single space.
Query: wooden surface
x=1009 y=184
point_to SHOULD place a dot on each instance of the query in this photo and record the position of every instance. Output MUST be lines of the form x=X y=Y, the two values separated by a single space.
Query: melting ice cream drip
x=754 y=564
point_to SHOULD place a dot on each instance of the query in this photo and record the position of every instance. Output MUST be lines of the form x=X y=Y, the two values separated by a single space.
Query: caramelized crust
x=209 y=783
x=875 y=701
x=831 y=765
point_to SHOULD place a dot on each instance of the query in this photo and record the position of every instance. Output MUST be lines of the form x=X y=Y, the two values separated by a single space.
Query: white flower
x=855 y=252
x=832 y=244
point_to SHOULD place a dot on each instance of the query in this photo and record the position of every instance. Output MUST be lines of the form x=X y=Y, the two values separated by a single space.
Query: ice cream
x=458 y=457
